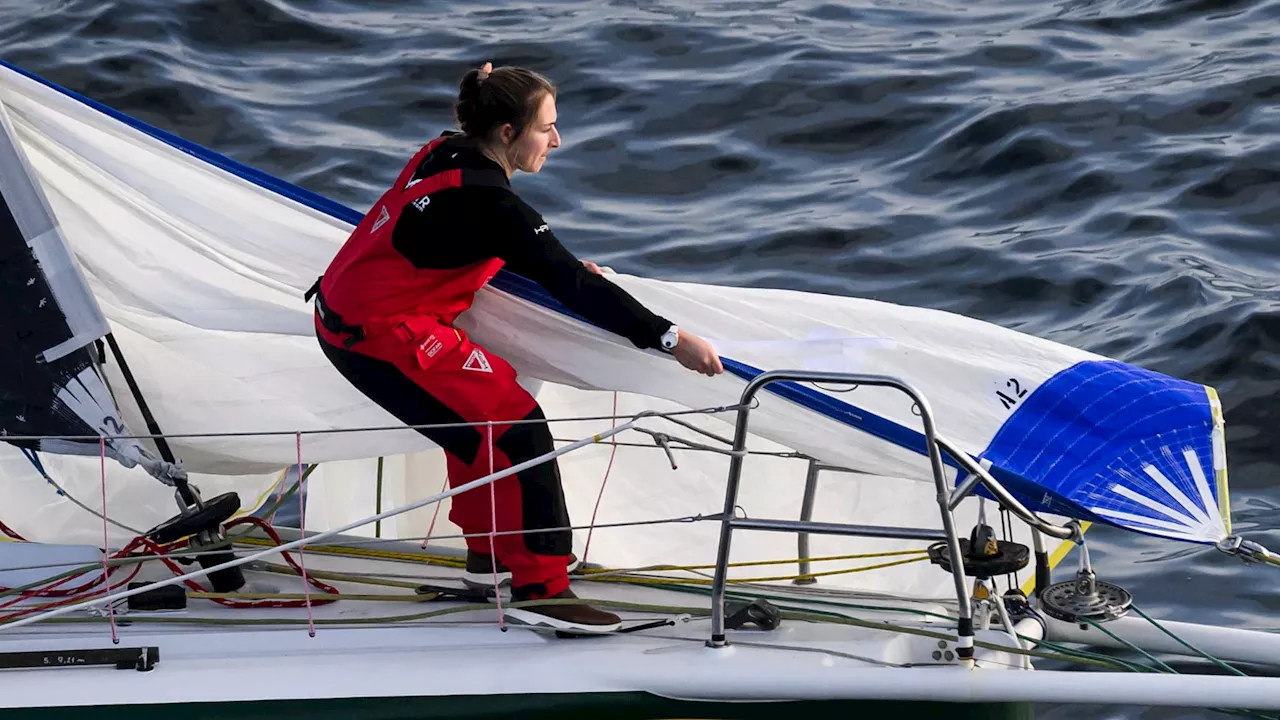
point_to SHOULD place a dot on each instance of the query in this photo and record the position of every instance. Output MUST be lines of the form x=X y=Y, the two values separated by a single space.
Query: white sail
x=200 y=265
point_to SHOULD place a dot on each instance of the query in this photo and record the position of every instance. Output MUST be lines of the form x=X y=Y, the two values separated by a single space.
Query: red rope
x=50 y=590
x=11 y=533
x=432 y=527
x=70 y=595
x=67 y=596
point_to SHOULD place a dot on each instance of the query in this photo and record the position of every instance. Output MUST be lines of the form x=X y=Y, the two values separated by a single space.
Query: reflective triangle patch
x=478 y=362
x=383 y=217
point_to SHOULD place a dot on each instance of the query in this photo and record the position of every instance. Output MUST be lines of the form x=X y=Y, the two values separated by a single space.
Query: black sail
x=50 y=380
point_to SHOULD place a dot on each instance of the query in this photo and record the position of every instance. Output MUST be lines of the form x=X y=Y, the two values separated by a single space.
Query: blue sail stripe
x=1132 y=424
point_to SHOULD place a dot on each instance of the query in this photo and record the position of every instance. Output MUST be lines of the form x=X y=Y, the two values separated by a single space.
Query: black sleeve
x=461 y=226
x=534 y=252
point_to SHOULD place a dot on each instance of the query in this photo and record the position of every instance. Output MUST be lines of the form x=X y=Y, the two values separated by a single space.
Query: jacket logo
x=383 y=217
x=540 y=229
x=422 y=202
x=478 y=362
x=430 y=346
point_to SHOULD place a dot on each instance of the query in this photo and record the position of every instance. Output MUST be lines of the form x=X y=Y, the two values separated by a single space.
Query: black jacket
x=464 y=225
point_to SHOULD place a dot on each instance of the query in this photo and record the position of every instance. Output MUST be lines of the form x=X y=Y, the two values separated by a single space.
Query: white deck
x=463 y=653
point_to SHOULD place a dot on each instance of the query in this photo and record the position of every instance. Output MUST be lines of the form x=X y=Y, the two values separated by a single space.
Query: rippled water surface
x=1104 y=173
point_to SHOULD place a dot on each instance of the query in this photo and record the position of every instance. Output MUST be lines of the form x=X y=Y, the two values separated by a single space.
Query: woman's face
x=540 y=137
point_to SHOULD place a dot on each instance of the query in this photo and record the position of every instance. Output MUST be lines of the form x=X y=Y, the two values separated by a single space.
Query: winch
x=202 y=521
x=1085 y=597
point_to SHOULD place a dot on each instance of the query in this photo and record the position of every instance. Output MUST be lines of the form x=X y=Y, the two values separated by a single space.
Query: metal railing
x=947 y=501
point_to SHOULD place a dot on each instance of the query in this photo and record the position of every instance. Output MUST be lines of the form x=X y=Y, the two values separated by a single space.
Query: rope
x=493 y=531
x=1166 y=668
x=1132 y=647
x=456 y=562
x=759 y=563
x=6 y=530
x=345 y=577
x=435 y=515
x=49 y=587
x=355 y=544
x=271 y=509
x=805 y=576
x=1188 y=645
x=686 y=445
x=34 y=459
x=613 y=452
x=106 y=569
x=302 y=528
x=271 y=516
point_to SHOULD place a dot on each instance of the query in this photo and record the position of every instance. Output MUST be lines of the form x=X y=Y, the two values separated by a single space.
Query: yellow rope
x=362 y=552
x=860 y=556
x=457 y=562
x=329 y=575
x=705 y=581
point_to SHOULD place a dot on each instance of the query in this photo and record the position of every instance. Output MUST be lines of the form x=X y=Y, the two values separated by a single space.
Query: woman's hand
x=592 y=267
x=697 y=354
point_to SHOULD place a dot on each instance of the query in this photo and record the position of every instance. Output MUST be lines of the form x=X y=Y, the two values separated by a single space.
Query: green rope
x=45 y=581
x=1166 y=668
x=1188 y=645
x=1131 y=646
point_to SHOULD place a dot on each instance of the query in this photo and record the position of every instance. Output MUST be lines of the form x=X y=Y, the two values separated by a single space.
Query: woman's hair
x=506 y=95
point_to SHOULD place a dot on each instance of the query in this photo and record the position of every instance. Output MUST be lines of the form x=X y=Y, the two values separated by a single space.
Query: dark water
x=1104 y=174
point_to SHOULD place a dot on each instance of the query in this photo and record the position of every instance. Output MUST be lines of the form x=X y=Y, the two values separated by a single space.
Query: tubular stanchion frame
x=729 y=522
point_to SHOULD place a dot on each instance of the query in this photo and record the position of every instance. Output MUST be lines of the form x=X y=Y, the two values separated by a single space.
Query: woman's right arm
x=537 y=254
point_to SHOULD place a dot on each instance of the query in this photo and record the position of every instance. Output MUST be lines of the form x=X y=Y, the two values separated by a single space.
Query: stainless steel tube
x=806 y=514
x=876 y=531
x=965 y=623
x=1069 y=532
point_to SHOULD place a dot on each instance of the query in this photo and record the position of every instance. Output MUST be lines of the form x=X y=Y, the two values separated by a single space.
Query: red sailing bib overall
x=388 y=327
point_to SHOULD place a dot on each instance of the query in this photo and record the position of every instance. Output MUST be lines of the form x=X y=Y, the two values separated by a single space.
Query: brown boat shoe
x=574 y=618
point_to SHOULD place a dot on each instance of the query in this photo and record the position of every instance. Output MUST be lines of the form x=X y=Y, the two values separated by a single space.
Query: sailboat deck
x=382 y=647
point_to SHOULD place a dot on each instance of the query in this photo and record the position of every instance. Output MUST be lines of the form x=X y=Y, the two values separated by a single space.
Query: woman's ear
x=506 y=133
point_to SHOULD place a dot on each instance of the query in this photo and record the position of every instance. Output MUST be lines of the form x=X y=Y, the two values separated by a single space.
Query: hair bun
x=488 y=98
x=470 y=84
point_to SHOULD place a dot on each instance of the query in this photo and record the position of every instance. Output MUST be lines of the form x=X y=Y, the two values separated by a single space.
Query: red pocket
x=431 y=340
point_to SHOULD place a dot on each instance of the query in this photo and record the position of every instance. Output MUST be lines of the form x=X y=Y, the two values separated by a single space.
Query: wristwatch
x=670 y=338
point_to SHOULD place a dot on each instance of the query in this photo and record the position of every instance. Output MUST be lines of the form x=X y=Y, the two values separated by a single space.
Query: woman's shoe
x=577 y=618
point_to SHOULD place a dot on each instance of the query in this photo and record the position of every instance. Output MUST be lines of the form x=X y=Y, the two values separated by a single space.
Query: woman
x=385 y=310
